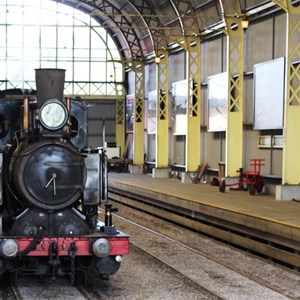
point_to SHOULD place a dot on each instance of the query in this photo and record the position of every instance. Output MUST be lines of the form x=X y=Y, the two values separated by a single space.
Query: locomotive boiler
x=51 y=188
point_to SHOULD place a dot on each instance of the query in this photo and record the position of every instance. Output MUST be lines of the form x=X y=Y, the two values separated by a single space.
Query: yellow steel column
x=291 y=157
x=162 y=113
x=193 y=148
x=235 y=63
x=138 y=127
x=120 y=126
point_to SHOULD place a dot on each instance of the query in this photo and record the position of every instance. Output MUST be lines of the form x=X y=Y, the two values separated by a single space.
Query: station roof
x=142 y=28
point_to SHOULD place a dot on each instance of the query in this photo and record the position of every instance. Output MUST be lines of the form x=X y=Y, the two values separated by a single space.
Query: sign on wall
x=179 y=107
x=151 y=112
x=217 y=105
x=129 y=113
x=269 y=94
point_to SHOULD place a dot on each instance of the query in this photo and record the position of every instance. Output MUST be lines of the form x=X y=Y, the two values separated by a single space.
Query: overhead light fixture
x=245 y=23
x=157 y=59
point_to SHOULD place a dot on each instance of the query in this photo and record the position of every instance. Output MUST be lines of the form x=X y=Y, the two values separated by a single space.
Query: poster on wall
x=179 y=107
x=151 y=113
x=129 y=113
x=217 y=105
x=269 y=94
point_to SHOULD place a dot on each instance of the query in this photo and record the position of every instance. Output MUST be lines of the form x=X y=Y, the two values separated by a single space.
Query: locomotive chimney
x=49 y=84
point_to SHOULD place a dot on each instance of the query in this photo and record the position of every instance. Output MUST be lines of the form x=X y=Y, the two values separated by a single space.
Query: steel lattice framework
x=291 y=160
x=148 y=29
x=143 y=27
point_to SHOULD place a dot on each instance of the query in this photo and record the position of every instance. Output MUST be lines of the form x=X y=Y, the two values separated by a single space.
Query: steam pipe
x=26 y=115
x=68 y=105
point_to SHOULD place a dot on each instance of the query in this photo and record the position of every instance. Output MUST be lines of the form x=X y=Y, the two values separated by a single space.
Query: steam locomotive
x=51 y=186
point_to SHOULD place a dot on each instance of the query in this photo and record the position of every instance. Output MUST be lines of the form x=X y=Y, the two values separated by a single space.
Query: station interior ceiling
x=143 y=28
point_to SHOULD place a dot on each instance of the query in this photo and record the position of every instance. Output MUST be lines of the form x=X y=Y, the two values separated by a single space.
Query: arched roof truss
x=142 y=28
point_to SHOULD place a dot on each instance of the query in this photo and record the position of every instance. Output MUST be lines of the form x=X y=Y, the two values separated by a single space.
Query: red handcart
x=252 y=179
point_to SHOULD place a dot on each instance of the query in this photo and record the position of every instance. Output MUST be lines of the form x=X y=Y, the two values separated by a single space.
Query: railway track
x=31 y=288
x=10 y=293
x=277 y=248
x=141 y=279
x=206 y=292
x=208 y=265
x=177 y=249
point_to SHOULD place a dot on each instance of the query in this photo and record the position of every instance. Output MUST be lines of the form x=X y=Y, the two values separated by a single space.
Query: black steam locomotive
x=51 y=186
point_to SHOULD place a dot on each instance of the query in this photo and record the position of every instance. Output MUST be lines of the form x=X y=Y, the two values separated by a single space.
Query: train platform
x=275 y=224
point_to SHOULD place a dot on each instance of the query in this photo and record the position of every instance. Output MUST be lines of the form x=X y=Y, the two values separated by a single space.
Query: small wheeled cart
x=252 y=179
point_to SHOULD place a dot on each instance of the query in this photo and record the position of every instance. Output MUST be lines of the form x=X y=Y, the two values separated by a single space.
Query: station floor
x=259 y=206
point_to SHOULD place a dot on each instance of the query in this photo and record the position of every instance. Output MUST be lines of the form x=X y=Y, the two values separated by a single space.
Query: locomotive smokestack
x=49 y=84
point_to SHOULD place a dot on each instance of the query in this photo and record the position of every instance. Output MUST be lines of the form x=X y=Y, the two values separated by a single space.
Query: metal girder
x=235 y=69
x=162 y=133
x=120 y=126
x=189 y=26
x=114 y=19
x=291 y=158
x=284 y=4
x=148 y=13
x=185 y=8
x=231 y=7
x=192 y=159
x=107 y=9
x=161 y=35
x=138 y=134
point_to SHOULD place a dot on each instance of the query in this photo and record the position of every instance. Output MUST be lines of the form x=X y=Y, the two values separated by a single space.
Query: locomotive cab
x=51 y=192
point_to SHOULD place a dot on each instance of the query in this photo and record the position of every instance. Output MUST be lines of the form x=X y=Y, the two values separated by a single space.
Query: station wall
x=265 y=40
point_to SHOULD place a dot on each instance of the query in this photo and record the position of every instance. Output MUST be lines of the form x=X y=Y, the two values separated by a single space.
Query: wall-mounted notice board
x=269 y=94
x=217 y=102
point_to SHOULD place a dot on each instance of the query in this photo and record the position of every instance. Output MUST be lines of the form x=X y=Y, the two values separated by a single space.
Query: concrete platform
x=261 y=212
x=259 y=206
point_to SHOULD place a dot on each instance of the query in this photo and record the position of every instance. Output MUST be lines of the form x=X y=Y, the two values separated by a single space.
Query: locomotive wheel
x=252 y=189
x=222 y=186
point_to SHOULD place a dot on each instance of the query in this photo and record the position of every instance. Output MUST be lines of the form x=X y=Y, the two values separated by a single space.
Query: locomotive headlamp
x=53 y=114
x=102 y=247
x=9 y=248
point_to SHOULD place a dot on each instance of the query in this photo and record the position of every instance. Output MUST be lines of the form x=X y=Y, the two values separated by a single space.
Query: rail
x=270 y=245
